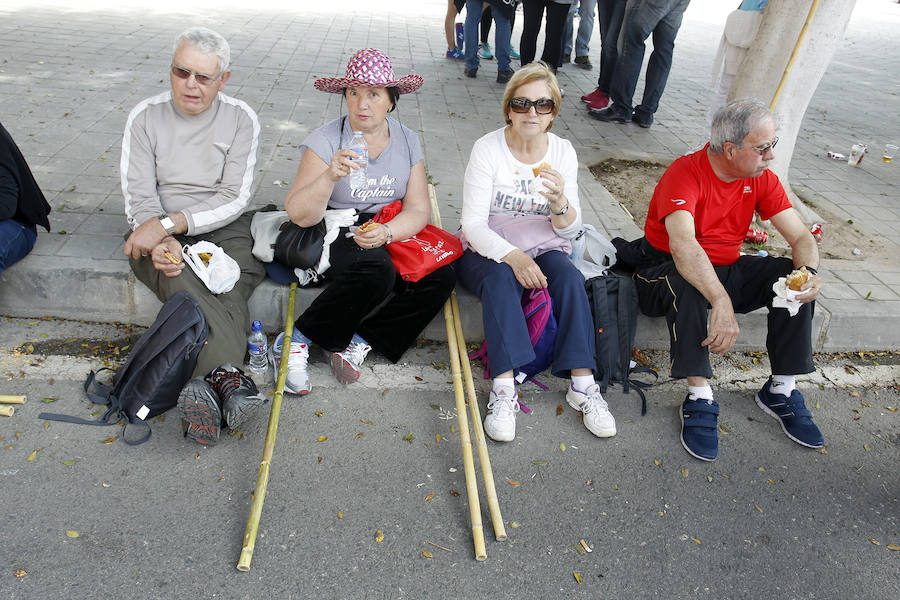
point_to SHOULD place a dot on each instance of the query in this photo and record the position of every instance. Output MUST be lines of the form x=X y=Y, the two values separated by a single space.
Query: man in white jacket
x=188 y=172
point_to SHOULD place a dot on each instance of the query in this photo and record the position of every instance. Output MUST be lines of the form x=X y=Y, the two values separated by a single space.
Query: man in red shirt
x=689 y=268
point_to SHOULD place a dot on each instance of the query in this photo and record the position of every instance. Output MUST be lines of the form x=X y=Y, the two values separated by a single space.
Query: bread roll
x=797 y=278
x=537 y=170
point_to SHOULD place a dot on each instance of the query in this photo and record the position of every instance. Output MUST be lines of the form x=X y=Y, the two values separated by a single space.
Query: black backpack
x=614 y=307
x=158 y=366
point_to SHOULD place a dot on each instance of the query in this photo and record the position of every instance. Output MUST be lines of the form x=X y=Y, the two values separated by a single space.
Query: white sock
x=582 y=382
x=697 y=392
x=506 y=385
x=783 y=384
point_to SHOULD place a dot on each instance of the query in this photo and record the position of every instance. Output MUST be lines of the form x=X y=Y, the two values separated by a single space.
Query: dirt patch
x=632 y=182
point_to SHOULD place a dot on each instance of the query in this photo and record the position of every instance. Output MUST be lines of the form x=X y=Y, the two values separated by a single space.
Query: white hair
x=734 y=121
x=206 y=41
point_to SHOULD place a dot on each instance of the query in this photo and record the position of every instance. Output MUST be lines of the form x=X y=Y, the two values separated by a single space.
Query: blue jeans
x=609 y=16
x=502 y=33
x=509 y=346
x=585 y=27
x=662 y=19
x=16 y=241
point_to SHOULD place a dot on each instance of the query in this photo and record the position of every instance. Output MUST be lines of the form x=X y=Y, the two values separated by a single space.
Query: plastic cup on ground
x=889 y=151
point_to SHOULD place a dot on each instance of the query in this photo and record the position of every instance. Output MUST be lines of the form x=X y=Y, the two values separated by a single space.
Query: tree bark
x=761 y=70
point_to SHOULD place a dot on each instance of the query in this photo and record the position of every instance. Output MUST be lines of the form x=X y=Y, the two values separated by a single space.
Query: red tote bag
x=417 y=256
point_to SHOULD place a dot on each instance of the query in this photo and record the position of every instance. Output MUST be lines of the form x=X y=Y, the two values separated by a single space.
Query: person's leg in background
x=532 y=15
x=484 y=48
x=660 y=62
x=567 y=34
x=453 y=51
x=553 y=32
x=16 y=241
x=585 y=32
x=473 y=17
x=502 y=33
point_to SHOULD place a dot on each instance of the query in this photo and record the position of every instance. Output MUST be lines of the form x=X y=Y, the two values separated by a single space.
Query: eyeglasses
x=182 y=73
x=765 y=147
x=543 y=106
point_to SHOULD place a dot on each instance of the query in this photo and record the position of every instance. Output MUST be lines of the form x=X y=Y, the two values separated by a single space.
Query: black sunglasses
x=544 y=106
x=182 y=73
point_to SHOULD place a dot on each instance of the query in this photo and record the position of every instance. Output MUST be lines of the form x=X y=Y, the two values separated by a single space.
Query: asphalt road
x=166 y=519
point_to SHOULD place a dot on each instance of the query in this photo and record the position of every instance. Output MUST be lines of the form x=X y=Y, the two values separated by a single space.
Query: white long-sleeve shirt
x=496 y=183
x=201 y=165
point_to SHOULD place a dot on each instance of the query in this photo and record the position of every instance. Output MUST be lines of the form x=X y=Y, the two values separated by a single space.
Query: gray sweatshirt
x=203 y=165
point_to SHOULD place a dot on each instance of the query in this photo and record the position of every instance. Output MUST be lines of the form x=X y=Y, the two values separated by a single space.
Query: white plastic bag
x=220 y=274
x=592 y=253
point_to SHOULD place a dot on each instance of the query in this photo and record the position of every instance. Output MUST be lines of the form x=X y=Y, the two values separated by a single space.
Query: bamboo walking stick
x=12 y=399
x=262 y=480
x=487 y=472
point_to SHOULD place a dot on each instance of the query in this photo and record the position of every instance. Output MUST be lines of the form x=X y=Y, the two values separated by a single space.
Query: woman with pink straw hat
x=366 y=304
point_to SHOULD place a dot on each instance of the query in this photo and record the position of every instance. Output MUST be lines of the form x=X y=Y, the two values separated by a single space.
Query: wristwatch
x=562 y=212
x=167 y=223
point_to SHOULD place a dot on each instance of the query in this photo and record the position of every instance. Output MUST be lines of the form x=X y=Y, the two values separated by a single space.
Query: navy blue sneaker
x=791 y=412
x=699 y=424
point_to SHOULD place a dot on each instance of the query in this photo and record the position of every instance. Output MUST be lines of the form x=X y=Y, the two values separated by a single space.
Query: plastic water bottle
x=258 y=346
x=359 y=178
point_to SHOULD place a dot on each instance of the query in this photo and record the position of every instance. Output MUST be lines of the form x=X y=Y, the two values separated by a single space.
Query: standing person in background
x=502 y=12
x=22 y=204
x=524 y=173
x=609 y=17
x=533 y=15
x=484 y=48
x=452 y=30
x=643 y=18
x=585 y=10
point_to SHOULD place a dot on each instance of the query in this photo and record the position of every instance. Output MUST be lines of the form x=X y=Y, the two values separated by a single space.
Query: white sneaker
x=594 y=409
x=346 y=364
x=500 y=422
x=297 y=379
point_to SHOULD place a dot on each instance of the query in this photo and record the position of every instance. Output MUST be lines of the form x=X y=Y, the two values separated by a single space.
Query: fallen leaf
x=709 y=478
x=408 y=437
x=559 y=410
x=874 y=541
x=760 y=469
x=757 y=507
x=656 y=462
x=540 y=463
x=49 y=400
x=427 y=554
x=321 y=438
x=822 y=451
x=854 y=394
x=562 y=447
x=20 y=573
x=72 y=534
x=340 y=514
x=579 y=549
x=359 y=435
x=69 y=463
x=514 y=524
x=696 y=541
x=514 y=483
x=438 y=438
x=772 y=481
x=33 y=454
x=366 y=422
x=891 y=408
x=723 y=428
x=429 y=497
x=684 y=472
x=320 y=458
x=46 y=425
x=320 y=412
x=379 y=536
x=577 y=577
x=867 y=447
x=894 y=547
x=104 y=484
x=454 y=493
x=110 y=439
x=452 y=428
x=418 y=378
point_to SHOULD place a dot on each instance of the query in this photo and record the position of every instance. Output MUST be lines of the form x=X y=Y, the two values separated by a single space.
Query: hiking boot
x=455 y=54
x=699 y=423
x=500 y=422
x=237 y=392
x=484 y=51
x=504 y=76
x=796 y=420
x=594 y=410
x=297 y=379
x=584 y=62
x=470 y=72
x=200 y=412
x=346 y=364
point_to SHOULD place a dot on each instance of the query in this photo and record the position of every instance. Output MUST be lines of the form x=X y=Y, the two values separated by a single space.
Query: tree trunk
x=768 y=56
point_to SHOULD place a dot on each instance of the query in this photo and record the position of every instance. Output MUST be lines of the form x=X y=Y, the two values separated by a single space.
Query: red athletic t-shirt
x=722 y=211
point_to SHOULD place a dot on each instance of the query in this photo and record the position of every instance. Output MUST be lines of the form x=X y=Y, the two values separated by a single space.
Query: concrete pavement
x=69 y=76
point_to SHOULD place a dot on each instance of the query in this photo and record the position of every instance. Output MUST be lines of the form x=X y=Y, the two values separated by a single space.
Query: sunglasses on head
x=182 y=73
x=543 y=106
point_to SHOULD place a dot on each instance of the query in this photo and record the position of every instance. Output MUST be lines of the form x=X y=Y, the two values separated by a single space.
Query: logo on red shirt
x=678 y=201
x=747 y=189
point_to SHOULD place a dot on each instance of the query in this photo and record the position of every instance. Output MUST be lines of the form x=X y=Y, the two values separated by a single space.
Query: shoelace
x=225 y=382
x=594 y=400
x=356 y=352
x=299 y=348
x=502 y=405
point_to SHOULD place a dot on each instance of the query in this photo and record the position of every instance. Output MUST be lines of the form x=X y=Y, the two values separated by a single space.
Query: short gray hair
x=206 y=41
x=734 y=121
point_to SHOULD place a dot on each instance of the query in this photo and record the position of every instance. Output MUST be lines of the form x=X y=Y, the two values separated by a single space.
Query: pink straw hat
x=369 y=68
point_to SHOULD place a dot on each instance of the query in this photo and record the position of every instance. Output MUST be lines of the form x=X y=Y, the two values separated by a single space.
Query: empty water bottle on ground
x=258 y=347
x=359 y=177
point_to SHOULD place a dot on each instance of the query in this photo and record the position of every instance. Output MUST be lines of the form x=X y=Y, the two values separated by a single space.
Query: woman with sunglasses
x=520 y=212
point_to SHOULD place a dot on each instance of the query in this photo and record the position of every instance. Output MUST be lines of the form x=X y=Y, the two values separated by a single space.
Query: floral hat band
x=369 y=68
